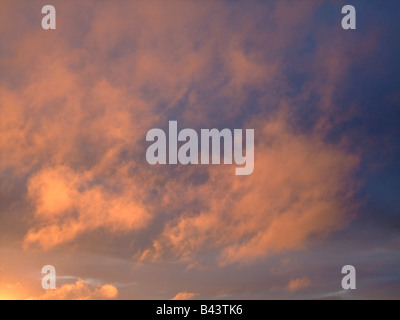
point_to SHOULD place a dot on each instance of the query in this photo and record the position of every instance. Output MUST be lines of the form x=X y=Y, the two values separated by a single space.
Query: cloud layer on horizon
x=80 y=290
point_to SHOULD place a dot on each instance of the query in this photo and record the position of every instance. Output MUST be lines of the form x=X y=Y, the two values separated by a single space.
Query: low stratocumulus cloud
x=80 y=290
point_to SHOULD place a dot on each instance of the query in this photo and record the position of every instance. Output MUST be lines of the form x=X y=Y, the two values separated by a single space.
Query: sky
x=76 y=191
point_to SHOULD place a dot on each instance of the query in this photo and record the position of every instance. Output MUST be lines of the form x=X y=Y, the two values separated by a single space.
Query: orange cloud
x=298 y=284
x=67 y=206
x=74 y=126
x=300 y=190
x=11 y=291
x=184 y=296
x=80 y=290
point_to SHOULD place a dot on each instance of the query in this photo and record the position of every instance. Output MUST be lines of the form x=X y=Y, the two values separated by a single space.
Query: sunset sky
x=76 y=191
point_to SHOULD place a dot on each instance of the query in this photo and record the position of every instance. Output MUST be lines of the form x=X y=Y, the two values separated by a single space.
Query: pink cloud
x=185 y=296
x=80 y=290
x=301 y=189
x=67 y=206
x=298 y=284
x=74 y=130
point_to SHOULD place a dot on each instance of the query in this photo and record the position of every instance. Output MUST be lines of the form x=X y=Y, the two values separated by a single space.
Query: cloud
x=80 y=290
x=77 y=107
x=67 y=205
x=298 y=284
x=184 y=296
x=76 y=104
x=13 y=285
x=301 y=191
